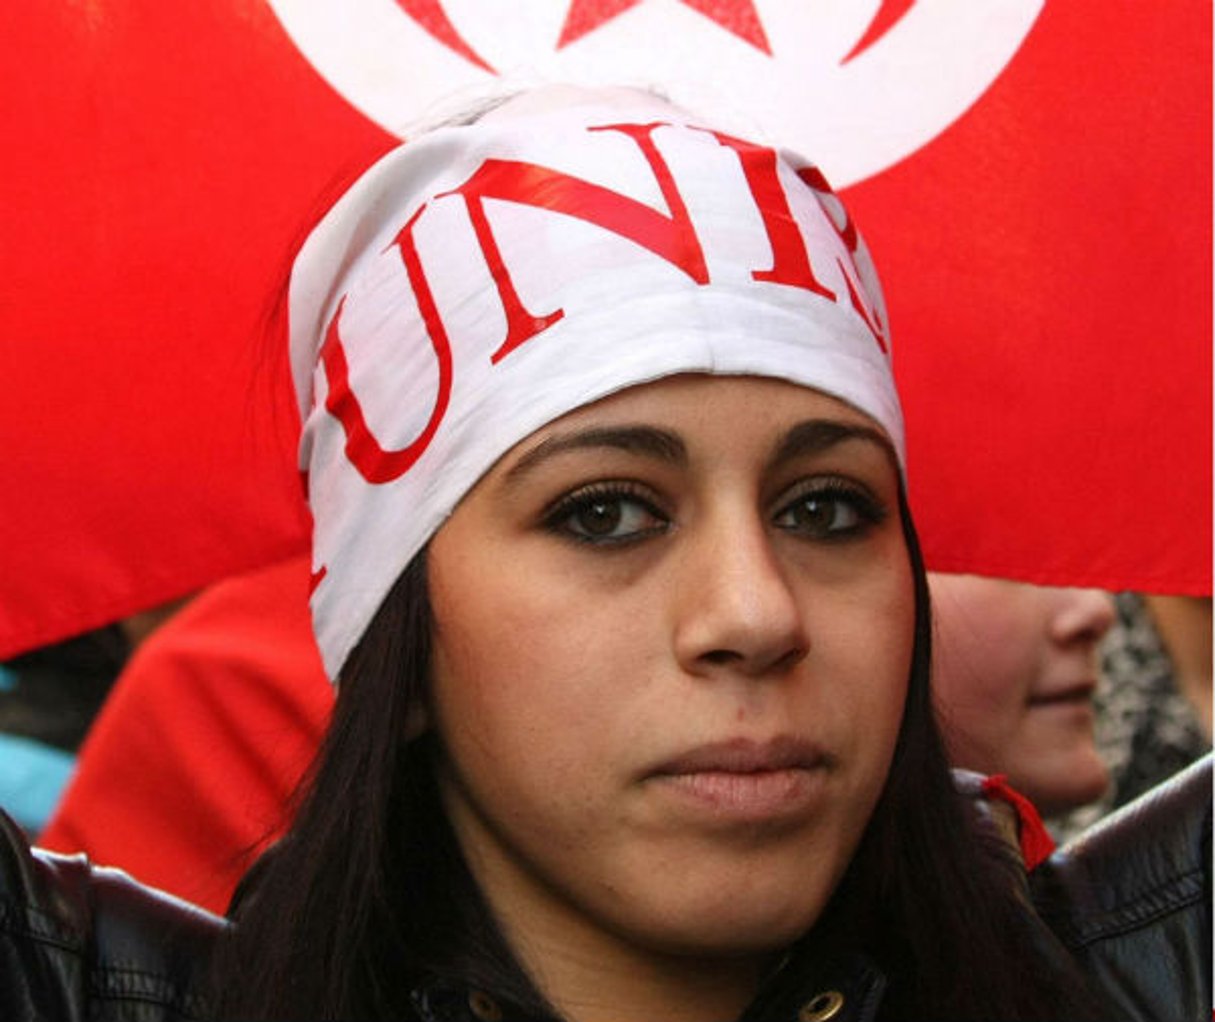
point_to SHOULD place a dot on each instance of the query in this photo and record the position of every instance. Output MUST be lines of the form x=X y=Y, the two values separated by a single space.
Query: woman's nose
x=1081 y=615
x=736 y=610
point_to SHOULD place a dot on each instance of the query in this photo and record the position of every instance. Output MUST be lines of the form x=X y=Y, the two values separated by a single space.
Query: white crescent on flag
x=856 y=84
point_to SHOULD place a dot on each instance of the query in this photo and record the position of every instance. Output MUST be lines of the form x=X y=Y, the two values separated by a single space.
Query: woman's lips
x=1079 y=694
x=742 y=780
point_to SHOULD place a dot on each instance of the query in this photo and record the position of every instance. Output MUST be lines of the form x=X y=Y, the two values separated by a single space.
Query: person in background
x=1184 y=626
x=1015 y=674
x=48 y=699
x=1154 y=703
x=190 y=766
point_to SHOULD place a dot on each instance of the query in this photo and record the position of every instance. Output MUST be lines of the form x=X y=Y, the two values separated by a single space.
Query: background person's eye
x=605 y=516
x=831 y=511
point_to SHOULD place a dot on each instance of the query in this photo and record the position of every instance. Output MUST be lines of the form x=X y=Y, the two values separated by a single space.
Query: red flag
x=162 y=164
x=1047 y=262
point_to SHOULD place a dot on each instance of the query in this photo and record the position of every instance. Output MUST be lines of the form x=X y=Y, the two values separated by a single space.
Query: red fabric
x=1036 y=842
x=163 y=161
x=190 y=764
x=1047 y=262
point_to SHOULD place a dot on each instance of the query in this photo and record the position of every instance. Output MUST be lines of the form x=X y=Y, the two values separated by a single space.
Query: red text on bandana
x=671 y=236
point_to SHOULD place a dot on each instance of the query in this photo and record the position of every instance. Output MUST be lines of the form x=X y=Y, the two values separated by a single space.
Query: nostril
x=724 y=657
x=1093 y=634
x=794 y=656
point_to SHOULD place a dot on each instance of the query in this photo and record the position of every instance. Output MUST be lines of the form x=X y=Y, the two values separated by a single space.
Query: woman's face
x=1015 y=668
x=672 y=641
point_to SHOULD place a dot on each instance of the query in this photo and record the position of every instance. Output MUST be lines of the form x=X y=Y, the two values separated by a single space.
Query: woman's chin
x=743 y=930
x=1080 y=779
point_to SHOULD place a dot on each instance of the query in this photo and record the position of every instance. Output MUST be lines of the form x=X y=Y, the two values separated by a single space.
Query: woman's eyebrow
x=644 y=440
x=817 y=435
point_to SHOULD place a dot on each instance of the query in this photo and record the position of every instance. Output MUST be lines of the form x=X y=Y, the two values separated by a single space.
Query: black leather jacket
x=80 y=943
x=1132 y=900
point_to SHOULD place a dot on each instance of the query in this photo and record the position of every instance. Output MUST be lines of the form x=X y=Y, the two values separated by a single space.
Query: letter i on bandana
x=482 y=280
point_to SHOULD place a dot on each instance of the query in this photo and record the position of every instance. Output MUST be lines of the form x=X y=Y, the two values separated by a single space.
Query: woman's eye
x=605 y=517
x=829 y=513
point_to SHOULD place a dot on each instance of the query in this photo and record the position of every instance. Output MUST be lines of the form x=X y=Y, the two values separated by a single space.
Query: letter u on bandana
x=482 y=280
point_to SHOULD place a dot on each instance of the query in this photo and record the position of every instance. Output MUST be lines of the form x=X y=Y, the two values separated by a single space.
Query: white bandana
x=483 y=280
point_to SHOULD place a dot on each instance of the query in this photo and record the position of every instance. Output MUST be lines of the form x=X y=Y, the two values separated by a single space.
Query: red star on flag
x=737 y=16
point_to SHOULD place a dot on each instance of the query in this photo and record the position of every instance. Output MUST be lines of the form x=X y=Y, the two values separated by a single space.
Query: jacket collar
x=808 y=986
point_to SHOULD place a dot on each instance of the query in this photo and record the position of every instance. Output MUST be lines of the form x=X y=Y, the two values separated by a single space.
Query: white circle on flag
x=855 y=85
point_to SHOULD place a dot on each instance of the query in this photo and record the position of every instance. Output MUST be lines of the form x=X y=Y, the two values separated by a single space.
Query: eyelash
x=557 y=518
x=869 y=511
x=840 y=492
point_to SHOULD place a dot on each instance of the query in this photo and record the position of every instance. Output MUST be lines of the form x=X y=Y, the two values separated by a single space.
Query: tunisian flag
x=1034 y=180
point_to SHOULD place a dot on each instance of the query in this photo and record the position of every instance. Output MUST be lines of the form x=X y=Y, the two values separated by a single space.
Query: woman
x=613 y=565
x=601 y=400
x=1015 y=672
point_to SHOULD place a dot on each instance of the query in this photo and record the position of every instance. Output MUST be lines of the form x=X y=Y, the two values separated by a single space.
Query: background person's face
x=1015 y=668
x=673 y=636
